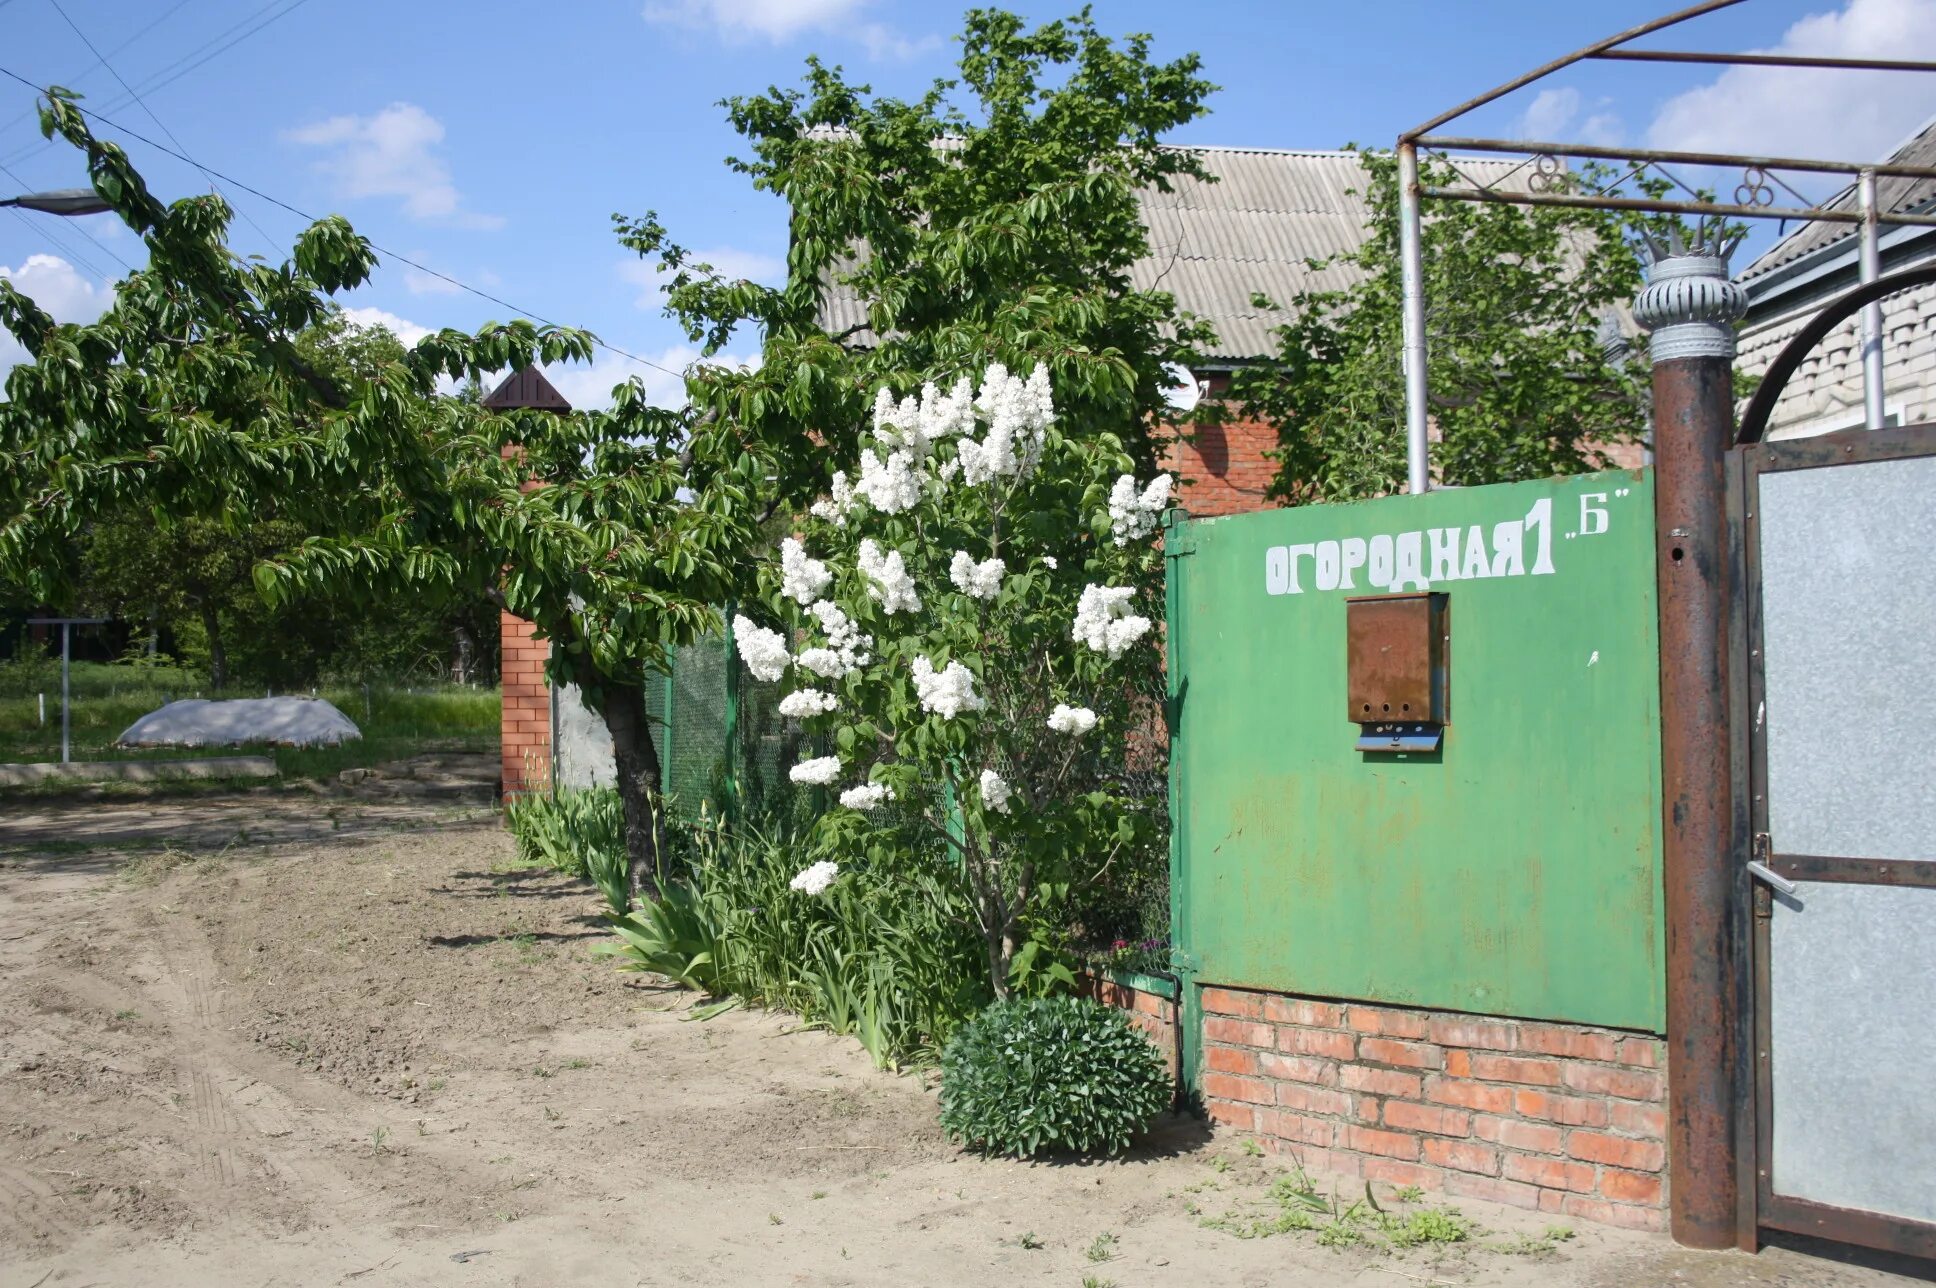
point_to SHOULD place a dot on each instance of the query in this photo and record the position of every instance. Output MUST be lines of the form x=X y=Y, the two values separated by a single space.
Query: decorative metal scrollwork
x=1754 y=188
x=1549 y=174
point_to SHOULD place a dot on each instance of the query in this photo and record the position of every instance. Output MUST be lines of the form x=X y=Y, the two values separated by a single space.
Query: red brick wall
x=1222 y=469
x=1552 y=1117
x=525 y=726
x=1155 y=1016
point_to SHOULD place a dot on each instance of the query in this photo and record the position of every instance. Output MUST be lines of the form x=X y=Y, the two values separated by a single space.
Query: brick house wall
x=1826 y=390
x=1557 y=1118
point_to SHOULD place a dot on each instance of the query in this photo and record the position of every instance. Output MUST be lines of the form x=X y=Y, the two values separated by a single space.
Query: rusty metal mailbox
x=1398 y=651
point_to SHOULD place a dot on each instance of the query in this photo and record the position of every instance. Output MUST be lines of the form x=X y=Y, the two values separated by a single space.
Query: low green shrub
x=1050 y=1074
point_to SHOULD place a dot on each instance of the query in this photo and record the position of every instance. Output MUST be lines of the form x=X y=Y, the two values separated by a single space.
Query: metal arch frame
x=1754 y=197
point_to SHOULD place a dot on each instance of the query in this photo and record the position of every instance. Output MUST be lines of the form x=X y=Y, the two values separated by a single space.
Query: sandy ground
x=366 y=1049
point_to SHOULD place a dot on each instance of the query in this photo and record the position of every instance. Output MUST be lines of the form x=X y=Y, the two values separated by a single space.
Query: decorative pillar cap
x=1690 y=303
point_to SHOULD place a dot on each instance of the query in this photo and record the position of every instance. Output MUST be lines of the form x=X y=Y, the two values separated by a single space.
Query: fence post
x=1690 y=305
x=732 y=719
x=1187 y=1010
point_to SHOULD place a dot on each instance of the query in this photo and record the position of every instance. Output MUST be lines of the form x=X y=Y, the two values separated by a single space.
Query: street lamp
x=62 y=201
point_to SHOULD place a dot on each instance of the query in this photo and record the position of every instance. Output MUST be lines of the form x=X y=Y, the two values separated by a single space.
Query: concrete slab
x=138 y=771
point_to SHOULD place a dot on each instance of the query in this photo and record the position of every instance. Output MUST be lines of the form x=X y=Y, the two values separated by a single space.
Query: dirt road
x=369 y=1056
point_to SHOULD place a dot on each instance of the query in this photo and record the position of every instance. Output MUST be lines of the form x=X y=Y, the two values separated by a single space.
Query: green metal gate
x=1513 y=871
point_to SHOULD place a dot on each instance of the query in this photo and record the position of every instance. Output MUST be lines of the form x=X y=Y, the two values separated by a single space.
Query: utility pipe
x=1871 y=268
x=1418 y=469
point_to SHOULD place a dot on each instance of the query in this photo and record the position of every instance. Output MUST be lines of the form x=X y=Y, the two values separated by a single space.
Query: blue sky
x=492 y=141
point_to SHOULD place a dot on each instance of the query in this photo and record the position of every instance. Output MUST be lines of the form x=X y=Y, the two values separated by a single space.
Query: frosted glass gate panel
x=1840 y=536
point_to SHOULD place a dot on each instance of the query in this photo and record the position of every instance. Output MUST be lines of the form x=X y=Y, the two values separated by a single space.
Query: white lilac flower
x=890 y=485
x=888 y=579
x=846 y=647
x=948 y=692
x=867 y=796
x=1133 y=516
x=1048 y=561
x=1104 y=622
x=816 y=878
x=1074 y=721
x=976 y=580
x=818 y=772
x=840 y=496
x=995 y=791
x=915 y=425
x=763 y=651
x=802 y=703
x=801 y=579
x=1018 y=412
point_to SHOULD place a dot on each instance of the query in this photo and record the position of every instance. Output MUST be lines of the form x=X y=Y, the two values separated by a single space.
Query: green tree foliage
x=1521 y=384
x=190 y=571
x=190 y=579
x=193 y=398
x=995 y=220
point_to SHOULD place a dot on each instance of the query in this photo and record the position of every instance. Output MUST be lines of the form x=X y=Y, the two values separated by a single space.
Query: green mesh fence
x=726 y=750
x=723 y=743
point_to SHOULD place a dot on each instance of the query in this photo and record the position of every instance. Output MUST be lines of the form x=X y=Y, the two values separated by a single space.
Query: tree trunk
x=218 y=661
x=636 y=759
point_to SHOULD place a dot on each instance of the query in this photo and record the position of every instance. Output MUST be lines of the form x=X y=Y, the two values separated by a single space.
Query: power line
x=309 y=218
x=174 y=71
x=266 y=240
x=166 y=14
x=48 y=234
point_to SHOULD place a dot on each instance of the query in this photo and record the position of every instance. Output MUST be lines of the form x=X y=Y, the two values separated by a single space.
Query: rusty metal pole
x=1690 y=304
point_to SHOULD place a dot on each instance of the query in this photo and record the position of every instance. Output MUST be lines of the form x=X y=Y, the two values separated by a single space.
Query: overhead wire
x=309 y=218
x=166 y=14
x=54 y=240
x=172 y=72
x=8 y=171
x=267 y=241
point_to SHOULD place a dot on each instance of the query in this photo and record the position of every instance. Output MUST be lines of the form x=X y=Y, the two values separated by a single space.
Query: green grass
x=396 y=721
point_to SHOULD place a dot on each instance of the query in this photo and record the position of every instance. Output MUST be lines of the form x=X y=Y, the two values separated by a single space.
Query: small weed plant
x=1046 y=1075
x=1301 y=1206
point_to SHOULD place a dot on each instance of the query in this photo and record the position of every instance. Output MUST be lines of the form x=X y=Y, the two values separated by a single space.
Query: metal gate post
x=1690 y=304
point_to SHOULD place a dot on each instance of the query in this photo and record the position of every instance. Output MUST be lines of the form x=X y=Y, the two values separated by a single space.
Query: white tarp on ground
x=202 y=722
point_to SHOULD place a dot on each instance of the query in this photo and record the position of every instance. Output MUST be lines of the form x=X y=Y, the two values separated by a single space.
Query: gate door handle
x=1762 y=872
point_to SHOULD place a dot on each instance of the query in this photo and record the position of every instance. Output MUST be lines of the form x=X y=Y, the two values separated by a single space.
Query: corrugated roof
x=1214 y=245
x=1892 y=193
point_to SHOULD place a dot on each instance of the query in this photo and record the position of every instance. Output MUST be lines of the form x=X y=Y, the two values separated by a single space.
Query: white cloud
x=589 y=388
x=1554 y=116
x=418 y=282
x=392 y=153
x=66 y=293
x=1549 y=113
x=726 y=260
x=885 y=45
x=778 y=21
x=402 y=328
x=1804 y=112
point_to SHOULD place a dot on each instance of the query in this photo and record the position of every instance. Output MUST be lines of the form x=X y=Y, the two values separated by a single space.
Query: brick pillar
x=525 y=726
x=524 y=730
